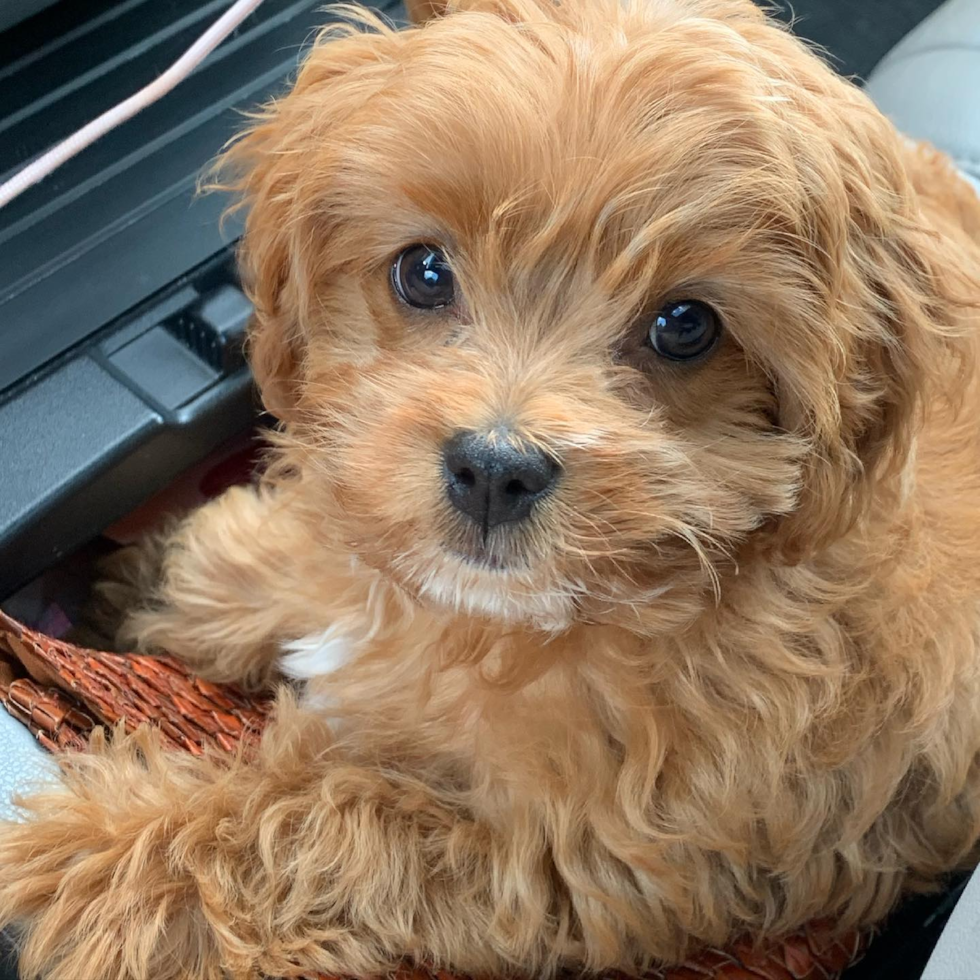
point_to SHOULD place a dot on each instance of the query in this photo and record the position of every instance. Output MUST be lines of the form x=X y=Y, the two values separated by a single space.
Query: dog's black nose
x=494 y=482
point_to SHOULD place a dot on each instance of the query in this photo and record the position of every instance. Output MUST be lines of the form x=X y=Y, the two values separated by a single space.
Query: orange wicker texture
x=61 y=692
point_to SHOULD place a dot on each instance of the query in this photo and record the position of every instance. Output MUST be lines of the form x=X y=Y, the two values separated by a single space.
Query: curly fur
x=728 y=679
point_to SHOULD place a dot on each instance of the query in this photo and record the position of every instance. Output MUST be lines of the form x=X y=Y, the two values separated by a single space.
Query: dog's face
x=575 y=309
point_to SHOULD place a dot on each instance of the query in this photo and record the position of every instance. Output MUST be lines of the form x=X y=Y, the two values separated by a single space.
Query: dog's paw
x=49 y=898
x=87 y=885
x=126 y=581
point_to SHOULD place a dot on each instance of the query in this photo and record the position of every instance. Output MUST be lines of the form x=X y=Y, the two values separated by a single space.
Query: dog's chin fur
x=470 y=588
x=725 y=676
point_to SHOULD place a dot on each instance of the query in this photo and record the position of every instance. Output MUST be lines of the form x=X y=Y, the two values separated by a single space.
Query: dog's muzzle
x=492 y=481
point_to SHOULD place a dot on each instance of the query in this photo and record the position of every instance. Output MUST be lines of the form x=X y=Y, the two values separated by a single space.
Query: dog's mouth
x=486 y=582
x=482 y=557
x=501 y=549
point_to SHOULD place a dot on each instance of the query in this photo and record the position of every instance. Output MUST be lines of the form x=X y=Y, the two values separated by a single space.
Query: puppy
x=624 y=522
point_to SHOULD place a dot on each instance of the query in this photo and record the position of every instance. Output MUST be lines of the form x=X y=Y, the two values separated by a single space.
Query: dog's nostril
x=466 y=477
x=516 y=488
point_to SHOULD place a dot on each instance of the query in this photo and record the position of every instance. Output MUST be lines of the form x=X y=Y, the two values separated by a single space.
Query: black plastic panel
x=110 y=425
x=48 y=432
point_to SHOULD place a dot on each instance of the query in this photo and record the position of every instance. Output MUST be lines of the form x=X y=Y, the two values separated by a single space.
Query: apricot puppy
x=624 y=524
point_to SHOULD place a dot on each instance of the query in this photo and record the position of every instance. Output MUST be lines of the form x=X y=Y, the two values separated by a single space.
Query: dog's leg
x=151 y=866
x=226 y=588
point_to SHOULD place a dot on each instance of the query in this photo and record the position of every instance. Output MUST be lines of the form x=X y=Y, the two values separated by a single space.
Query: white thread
x=61 y=152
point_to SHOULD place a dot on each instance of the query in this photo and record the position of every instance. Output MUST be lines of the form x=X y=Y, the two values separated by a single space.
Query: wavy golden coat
x=725 y=679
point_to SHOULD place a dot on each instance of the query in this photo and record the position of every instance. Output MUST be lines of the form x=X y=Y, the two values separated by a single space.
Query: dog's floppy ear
x=278 y=167
x=886 y=331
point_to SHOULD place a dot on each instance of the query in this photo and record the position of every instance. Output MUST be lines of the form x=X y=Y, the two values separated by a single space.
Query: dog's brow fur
x=724 y=679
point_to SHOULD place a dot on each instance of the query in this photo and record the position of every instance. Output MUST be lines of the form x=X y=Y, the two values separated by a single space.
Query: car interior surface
x=122 y=318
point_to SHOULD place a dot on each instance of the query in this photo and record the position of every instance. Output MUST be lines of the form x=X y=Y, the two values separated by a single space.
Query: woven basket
x=61 y=692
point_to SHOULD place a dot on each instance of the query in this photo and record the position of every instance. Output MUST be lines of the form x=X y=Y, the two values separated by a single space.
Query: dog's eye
x=684 y=330
x=422 y=278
